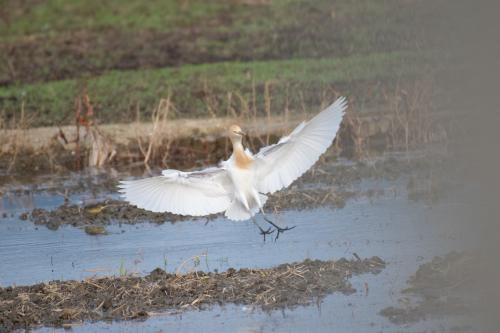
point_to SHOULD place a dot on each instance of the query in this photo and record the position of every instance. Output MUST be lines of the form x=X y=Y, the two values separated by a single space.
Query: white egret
x=238 y=186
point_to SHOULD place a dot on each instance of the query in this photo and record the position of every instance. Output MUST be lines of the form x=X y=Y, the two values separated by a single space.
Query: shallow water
x=381 y=226
x=404 y=233
x=337 y=313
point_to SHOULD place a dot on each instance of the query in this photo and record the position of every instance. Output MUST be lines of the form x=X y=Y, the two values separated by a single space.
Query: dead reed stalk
x=411 y=111
x=159 y=120
x=17 y=141
x=101 y=147
x=267 y=105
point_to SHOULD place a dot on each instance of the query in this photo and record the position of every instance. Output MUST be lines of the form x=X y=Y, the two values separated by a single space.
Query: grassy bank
x=218 y=89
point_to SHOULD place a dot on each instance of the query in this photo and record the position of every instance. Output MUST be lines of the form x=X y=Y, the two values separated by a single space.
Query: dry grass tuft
x=60 y=303
x=406 y=119
x=411 y=108
x=15 y=142
x=159 y=139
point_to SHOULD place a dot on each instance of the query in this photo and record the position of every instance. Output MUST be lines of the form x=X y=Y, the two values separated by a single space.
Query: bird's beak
x=242 y=133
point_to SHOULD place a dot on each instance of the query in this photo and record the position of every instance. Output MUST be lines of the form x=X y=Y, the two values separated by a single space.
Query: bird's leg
x=278 y=229
x=262 y=231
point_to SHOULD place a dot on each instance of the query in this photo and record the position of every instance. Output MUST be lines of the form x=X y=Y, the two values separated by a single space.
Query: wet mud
x=60 y=303
x=95 y=216
x=329 y=184
x=441 y=287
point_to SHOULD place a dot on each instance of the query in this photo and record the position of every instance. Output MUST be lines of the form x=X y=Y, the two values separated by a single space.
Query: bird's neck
x=237 y=145
x=241 y=159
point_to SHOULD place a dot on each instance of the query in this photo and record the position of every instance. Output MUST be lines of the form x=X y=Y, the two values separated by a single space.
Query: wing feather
x=278 y=165
x=195 y=193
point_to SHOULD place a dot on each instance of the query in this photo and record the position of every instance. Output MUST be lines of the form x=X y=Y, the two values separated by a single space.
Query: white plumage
x=238 y=186
x=195 y=193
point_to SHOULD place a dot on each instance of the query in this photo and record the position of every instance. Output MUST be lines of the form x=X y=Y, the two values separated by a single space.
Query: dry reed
x=405 y=120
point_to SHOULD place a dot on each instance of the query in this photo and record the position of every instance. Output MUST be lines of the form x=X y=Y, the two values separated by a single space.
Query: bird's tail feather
x=238 y=212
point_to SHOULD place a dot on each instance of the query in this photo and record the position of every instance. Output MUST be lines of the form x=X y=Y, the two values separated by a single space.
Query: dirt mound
x=113 y=211
x=116 y=298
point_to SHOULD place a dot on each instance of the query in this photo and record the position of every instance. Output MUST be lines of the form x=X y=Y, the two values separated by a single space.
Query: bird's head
x=235 y=133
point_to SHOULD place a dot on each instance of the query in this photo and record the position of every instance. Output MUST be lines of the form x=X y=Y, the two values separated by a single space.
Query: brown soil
x=94 y=217
x=94 y=230
x=83 y=53
x=72 y=54
x=99 y=214
x=441 y=286
x=117 y=298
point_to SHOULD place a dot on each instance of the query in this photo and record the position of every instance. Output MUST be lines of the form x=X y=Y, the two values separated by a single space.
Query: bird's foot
x=265 y=232
x=279 y=229
x=262 y=231
x=282 y=230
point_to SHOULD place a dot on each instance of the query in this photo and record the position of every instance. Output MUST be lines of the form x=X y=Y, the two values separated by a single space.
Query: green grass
x=117 y=94
x=58 y=47
x=60 y=39
x=59 y=16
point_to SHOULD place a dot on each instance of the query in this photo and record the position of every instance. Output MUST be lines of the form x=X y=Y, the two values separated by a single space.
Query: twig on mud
x=93 y=284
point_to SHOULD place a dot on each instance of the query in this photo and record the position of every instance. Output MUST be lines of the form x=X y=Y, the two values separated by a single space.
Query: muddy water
x=402 y=232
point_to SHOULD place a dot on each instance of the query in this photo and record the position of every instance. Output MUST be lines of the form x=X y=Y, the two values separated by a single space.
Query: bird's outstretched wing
x=194 y=193
x=278 y=165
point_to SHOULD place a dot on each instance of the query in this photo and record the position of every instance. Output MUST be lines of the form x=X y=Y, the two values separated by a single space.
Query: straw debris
x=59 y=303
